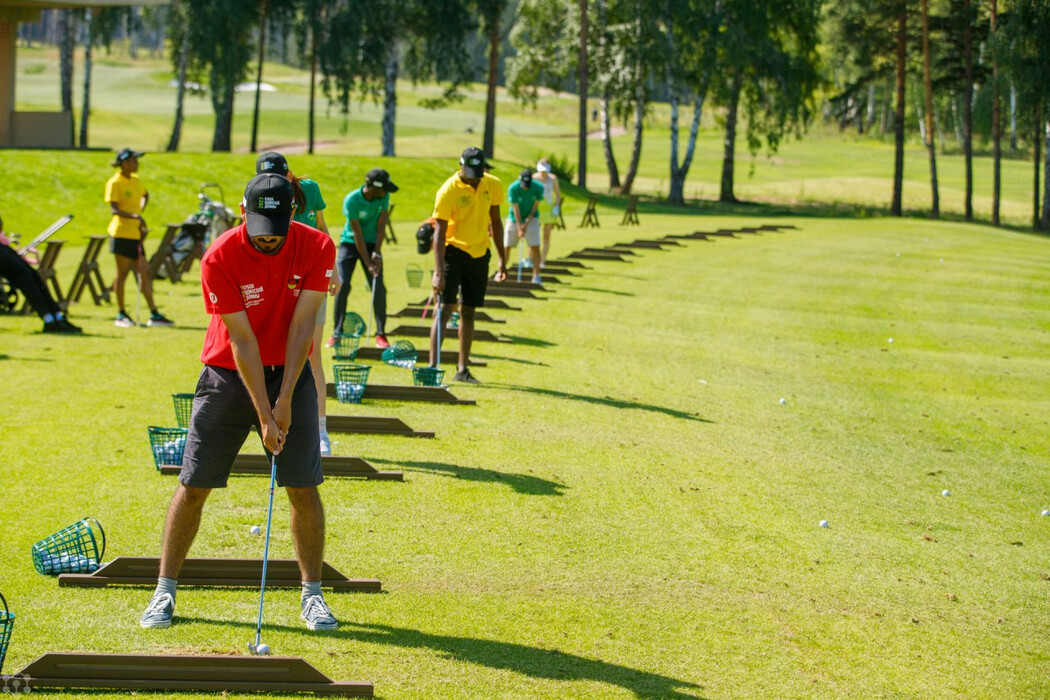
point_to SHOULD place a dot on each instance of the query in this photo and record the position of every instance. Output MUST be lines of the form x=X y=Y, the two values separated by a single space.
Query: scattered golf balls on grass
x=783 y=401
x=1046 y=513
x=946 y=492
x=823 y=523
x=255 y=530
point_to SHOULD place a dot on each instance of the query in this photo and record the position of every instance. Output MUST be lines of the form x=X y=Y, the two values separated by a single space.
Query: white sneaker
x=326 y=444
x=317 y=615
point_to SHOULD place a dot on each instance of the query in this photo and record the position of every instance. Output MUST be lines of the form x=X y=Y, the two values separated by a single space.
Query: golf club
x=372 y=309
x=258 y=649
x=436 y=360
x=521 y=247
x=427 y=307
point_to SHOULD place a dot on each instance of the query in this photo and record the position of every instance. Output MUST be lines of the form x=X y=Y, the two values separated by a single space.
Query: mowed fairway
x=629 y=511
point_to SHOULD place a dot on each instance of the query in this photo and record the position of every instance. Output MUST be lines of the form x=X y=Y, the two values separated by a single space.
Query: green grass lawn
x=629 y=511
x=826 y=171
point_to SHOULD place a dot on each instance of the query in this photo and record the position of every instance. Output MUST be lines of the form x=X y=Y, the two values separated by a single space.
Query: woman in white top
x=550 y=207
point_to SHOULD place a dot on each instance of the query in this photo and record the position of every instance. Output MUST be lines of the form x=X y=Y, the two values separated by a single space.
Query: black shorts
x=472 y=274
x=128 y=247
x=222 y=416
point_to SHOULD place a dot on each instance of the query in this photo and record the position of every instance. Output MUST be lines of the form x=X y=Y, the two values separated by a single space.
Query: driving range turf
x=629 y=511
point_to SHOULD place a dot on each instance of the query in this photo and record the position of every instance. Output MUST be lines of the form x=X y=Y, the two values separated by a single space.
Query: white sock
x=311 y=588
x=166 y=585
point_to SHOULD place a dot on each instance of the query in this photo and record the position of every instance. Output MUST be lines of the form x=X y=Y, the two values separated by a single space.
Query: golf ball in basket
x=255 y=530
x=823 y=523
x=946 y=492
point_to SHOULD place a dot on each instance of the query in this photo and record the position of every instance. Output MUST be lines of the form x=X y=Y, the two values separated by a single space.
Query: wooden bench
x=590 y=217
x=630 y=215
x=165 y=256
x=46 y=270
x=88 y=275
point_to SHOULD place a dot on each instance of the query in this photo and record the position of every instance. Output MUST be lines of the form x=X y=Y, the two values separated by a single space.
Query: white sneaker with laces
x=159 y=612
x=317 y=615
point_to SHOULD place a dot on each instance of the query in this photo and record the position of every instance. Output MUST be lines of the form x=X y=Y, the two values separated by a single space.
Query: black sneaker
x=465 y=376
x=57 y=326
x=157 y=319
x=70 y=328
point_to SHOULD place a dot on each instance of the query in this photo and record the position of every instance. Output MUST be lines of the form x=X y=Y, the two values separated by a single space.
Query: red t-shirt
x=237 y=277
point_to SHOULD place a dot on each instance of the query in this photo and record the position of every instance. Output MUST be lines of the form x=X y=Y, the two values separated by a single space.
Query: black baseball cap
x=268 y=201
x=380 y=179
x=125 y=154
x=272 y=162
x=526 y=177
x=473 y=162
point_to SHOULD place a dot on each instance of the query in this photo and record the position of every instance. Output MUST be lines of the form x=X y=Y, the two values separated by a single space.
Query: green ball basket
x=346 y=347
x=167 y=444
x=71 y=550
x=350 y=382
x=427 y=376
x=7 y=621
x=414 y=274
x=353 y=324
x=401 y=354
x=183 y=408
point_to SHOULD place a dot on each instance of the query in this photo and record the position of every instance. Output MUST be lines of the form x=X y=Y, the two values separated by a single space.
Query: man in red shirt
x=263 y=283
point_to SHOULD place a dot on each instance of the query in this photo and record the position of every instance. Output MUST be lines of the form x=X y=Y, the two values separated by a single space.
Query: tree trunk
x=581 y=177
x=939 y=124
x=729 y=144
x=898 y=123
x=313 y=81
x=390 y=99
x=968 y=107
x=1046 y=178
x=678 y=182
x=86 y=109
x=636 y=148
x=607 y=149
x=489 y=147
x=180 y=98
x=956 y=121
x=222 y=105
x=258 y=75
x=870 y=121
x=997 y=151
x=1013 y=117
x=1035 y=156
x=65 y=63
x=133 y=31
x=931 y=146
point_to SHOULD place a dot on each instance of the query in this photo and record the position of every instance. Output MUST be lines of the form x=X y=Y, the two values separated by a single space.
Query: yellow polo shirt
x=127 y=192
x=467 y=212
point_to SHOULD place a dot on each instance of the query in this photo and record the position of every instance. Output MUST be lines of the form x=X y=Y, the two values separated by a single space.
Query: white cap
x=543 y=166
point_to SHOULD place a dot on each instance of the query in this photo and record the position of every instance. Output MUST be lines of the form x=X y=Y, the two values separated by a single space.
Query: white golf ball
x=783 y=401
x=946 y=492
x=1046 y=513
x=255 y=530
x=890 y=340
x=263 y=650
x=823 y=523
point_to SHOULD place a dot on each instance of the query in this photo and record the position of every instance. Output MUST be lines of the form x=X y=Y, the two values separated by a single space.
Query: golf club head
x=259 y=650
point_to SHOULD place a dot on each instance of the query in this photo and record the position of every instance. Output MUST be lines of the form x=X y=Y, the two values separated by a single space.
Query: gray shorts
x=222 y=417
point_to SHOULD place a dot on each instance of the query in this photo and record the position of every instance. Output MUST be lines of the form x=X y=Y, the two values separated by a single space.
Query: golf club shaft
x=439 y=312
x=521 y=246
x=427 y=307
x=266 y=548
x=372 y=309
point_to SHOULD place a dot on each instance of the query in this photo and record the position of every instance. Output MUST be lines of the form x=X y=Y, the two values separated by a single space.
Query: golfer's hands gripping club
x=375 y=264
x=276 y=428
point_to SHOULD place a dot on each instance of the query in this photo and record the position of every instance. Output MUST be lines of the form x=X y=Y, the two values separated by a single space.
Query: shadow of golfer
x=522 y=483
x=529 y=661
x=533 y=662
x=603 y=401
x=604 y=291
x=515 y=360
x=531 y=342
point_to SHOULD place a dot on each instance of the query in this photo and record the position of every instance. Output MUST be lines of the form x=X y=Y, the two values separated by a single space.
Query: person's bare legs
x=318 y=369
x=123 y=268
x=439 y=317
x=466 y=334
x=546 y=243
x=180 y=527
x=307 y=530
x=145 y=283
x=534 y=253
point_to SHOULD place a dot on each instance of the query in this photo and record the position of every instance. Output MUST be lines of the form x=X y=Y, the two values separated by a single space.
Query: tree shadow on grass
x=522 y=483
x=534 y=662
x=605 y=401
